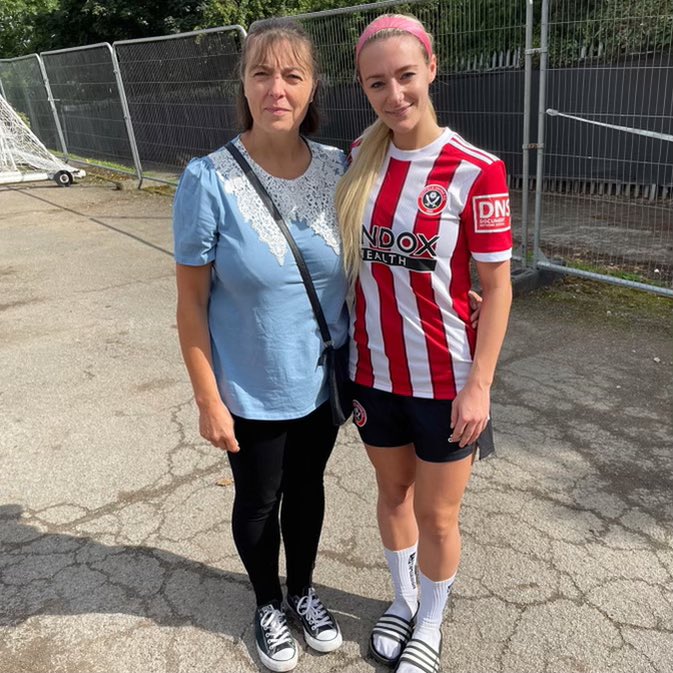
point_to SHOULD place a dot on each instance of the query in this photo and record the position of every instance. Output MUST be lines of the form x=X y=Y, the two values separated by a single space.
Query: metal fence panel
x=608 y=207
x=181 y=94
x=25 y=91
x=89 y=106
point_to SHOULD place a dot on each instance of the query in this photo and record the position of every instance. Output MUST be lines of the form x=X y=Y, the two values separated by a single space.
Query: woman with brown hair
x=249 y=336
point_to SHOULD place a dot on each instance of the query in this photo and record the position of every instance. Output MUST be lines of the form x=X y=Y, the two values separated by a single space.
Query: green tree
x=80 y=22
x=17 y=25
x=467 y=29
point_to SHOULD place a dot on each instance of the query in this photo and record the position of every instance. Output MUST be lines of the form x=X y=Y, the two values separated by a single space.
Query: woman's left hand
x=470 y=413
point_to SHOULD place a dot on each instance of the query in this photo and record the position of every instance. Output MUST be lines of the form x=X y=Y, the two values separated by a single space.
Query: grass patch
x=157 y=188
x=607 y=304
x=634 y=275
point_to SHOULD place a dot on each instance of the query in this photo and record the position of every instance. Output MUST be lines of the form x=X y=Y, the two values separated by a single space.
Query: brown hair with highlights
x=264 y=36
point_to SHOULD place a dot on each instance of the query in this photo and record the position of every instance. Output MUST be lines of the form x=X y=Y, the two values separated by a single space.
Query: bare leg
x=439 y=493
x=395 y=473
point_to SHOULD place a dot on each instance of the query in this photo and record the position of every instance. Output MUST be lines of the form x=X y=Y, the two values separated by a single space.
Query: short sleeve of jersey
x=197 y=209
x=487 y=217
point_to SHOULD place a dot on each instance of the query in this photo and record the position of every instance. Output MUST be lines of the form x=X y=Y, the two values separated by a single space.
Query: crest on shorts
x=359 y=414
x=432 y=199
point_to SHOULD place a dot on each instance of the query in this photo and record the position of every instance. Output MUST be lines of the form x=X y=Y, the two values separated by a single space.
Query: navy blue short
x=384 y=420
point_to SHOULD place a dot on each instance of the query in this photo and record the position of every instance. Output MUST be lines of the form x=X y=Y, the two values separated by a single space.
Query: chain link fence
x=90 y=107
x=593 y=82
x=181 y=94
x=608 y=142
x=24 y=89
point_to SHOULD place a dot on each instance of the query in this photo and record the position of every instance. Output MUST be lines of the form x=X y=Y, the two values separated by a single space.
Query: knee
x=438 y=524
x=256 y=506
x=396 y=495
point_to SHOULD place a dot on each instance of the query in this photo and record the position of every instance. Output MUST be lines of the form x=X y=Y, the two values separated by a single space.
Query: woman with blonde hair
x=416 y=205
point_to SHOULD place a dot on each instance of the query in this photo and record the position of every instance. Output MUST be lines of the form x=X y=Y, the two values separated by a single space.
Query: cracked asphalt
x=115 y=547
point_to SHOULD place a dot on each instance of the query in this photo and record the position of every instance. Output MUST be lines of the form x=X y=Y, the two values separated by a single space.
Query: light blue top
x=265 y=340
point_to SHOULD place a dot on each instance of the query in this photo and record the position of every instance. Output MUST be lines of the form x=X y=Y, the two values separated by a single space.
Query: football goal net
x=23 y=158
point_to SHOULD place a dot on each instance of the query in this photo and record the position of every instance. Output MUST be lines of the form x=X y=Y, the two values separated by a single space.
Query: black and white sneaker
x=321 y=631
x=275 y=645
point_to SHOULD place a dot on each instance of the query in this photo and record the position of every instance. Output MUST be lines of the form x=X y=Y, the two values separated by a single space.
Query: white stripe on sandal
x=393 y=627
x=420 y=655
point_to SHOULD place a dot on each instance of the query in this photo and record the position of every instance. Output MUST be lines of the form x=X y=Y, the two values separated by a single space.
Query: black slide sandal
x=392 y=627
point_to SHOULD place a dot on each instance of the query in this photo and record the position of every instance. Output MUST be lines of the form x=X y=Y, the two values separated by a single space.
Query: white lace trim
x=307 y=200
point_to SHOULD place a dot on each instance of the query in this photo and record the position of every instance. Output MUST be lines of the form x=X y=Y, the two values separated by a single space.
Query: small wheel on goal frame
x=63 y=179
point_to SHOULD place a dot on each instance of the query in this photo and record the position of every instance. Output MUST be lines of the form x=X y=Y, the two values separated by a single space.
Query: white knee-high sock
x=434 y=596
x=402 y=564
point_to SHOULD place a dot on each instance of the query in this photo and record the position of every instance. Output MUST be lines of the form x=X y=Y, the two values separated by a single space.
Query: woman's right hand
x=217 y=426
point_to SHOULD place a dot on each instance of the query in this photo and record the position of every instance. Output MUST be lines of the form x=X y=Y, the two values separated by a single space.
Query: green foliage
x=608 y=30
x=17 y=20
x=82 y=22
x=226 y=12
x=467 y=29
x=23 y=117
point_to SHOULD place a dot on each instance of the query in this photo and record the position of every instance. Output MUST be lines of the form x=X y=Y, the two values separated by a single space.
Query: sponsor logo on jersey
x=415 y=251
x=491 y=213
x=359 y=414
x=432 y=199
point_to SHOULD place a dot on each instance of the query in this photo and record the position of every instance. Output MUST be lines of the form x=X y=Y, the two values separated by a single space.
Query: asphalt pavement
x=115 y=547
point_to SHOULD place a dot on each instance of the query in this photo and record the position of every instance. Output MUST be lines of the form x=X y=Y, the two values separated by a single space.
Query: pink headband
x=394 y=23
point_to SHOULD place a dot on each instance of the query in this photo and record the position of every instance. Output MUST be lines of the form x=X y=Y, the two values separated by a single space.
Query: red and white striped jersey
x=430 y=210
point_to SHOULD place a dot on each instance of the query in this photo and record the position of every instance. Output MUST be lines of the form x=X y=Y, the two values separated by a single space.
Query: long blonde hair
x=355 y=186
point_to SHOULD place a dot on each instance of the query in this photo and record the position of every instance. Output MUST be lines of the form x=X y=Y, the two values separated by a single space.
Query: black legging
x=280 y=467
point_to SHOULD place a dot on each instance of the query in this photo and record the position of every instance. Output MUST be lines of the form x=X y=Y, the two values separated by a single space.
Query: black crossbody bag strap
x=298 y=257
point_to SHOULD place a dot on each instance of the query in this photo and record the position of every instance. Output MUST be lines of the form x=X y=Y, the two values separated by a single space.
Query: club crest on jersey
x=491 y=213
x=432 y=199
x=359 y=414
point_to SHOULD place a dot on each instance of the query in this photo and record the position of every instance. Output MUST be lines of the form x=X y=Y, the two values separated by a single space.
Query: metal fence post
x=52 y=105
x=544 y=52
x=525 y=168
x=127 y=116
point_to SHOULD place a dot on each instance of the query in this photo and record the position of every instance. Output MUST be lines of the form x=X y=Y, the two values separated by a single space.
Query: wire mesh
x=608 y=206
x=181 y=93
x=89 y=106
x=25 y=91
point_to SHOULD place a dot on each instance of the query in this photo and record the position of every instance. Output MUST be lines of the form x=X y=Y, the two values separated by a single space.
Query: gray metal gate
x=604 y=207
x=89 y=102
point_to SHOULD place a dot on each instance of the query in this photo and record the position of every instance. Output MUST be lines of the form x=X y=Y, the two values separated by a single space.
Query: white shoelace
x=311 y=607
x=275 y=627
